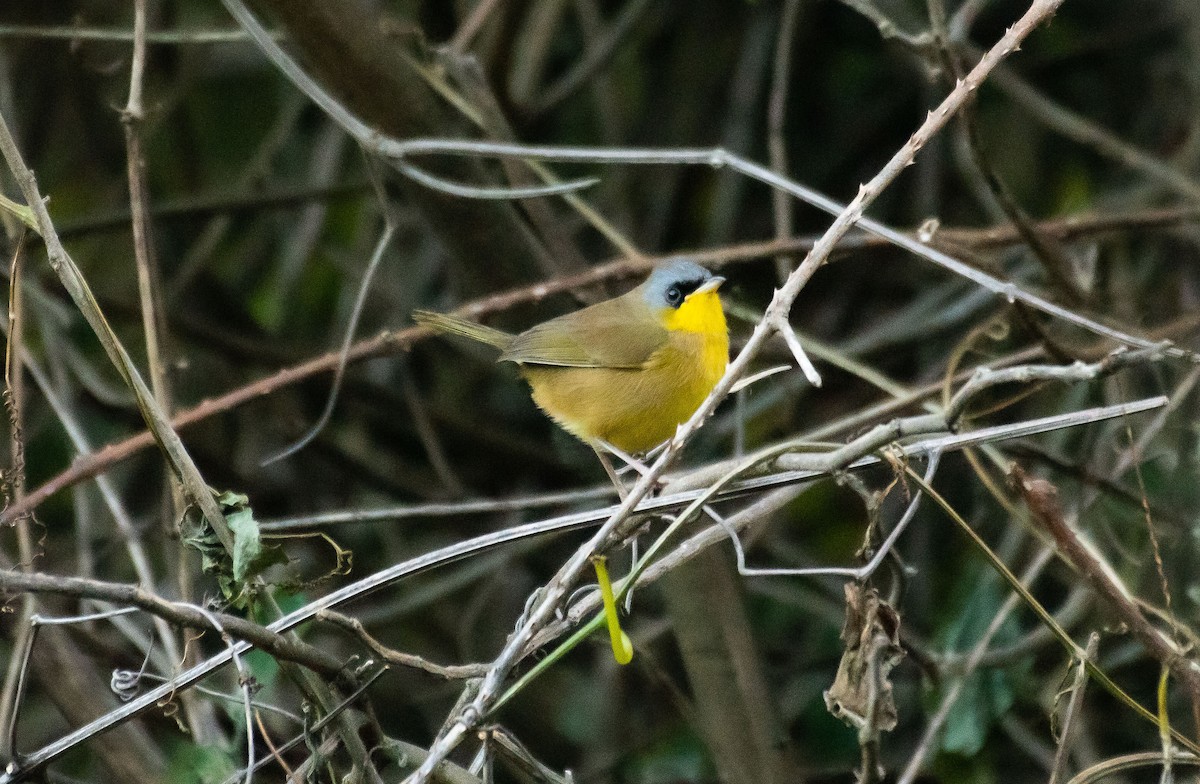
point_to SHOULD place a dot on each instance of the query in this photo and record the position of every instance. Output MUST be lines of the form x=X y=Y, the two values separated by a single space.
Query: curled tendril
x=127 y=684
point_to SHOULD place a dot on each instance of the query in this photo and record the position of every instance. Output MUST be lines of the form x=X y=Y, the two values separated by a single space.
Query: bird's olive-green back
x=617 y=333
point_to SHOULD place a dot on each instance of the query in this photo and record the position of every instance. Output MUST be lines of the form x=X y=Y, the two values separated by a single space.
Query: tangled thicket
x=420 y=610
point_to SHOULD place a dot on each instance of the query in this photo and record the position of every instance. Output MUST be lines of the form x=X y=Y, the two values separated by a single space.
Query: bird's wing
x=609 y=334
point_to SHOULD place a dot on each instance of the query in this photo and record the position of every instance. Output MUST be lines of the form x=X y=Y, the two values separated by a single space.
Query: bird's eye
x=674 y=295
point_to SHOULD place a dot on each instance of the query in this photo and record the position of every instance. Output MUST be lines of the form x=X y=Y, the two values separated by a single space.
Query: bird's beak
x=712 y=284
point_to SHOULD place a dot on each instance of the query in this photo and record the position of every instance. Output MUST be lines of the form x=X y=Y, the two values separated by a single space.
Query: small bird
x=625 y=372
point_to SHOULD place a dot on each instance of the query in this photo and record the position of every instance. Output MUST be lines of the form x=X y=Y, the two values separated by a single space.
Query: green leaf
x=250 y=555
x=986 y=694
x=985 y=697
x=191 y=764
x=679 y=756
x=19 y=211
x=204 y=540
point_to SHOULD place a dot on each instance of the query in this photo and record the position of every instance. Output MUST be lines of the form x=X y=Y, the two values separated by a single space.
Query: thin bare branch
x=459 y=550
x=178 y=613
x=399 y=658
x=1074 y=702
x=1042 y=498
x=73 y=280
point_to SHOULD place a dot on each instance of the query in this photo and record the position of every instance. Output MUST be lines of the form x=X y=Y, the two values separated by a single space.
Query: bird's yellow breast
x=635 y=409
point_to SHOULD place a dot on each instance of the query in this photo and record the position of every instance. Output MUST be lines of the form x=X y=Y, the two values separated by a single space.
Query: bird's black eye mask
x=678 y=292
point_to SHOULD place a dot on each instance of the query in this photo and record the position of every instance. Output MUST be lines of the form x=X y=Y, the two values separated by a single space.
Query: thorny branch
x=782 y=483
x=555 y=591
x=537 y=627
x=390 y=342
x=1042 y=498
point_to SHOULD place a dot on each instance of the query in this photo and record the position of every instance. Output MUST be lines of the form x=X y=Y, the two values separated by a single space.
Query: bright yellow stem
x=622 y=646
x=1164 y=720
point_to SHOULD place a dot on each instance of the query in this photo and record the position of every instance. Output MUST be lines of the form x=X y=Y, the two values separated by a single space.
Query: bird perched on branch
x=624 y=372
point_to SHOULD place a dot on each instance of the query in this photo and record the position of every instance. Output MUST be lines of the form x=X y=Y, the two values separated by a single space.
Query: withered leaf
x=861 y=694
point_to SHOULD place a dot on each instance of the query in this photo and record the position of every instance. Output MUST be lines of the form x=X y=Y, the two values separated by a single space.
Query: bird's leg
x=629 y=465
x=629 y=460
x=608 y=469
x=600 y=448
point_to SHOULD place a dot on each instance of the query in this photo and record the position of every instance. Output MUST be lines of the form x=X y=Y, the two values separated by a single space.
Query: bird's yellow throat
x=700 y=312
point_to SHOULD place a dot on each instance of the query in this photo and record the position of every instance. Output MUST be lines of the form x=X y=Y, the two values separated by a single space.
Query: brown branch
x=144 y=253
x=781 y=203
x=278 y=645
x=367 y=61
x=391 y=342
x=77 y=287
x=266 y=736
x=155 y=332
x=1041 y=497
x=1052 y=257
x=399 y=658
x=13 y=483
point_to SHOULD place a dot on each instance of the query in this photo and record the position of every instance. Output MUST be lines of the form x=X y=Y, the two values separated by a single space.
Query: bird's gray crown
x=670 y=283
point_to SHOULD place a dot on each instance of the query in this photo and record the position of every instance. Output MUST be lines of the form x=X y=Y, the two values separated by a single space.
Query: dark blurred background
x=264 y=219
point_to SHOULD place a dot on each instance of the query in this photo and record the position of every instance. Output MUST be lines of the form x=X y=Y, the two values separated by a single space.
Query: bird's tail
x=453 y=325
